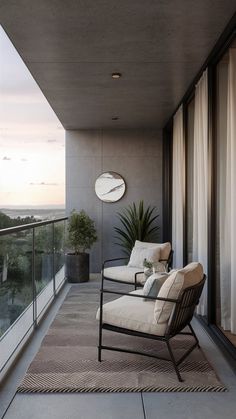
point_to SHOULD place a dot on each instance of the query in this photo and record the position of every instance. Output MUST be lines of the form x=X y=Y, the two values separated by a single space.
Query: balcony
x=115 y=405
x=166 y=124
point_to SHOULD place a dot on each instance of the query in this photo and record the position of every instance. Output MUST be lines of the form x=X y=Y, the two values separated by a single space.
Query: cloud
x=43 y=184
x=6 y=158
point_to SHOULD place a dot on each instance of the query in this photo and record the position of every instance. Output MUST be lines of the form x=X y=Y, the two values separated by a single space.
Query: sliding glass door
x=225 y=124
x=209 y=231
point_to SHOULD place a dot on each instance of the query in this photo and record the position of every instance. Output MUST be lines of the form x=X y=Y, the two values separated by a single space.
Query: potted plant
x=81 y=236
x=137 y=223
x=148 y=268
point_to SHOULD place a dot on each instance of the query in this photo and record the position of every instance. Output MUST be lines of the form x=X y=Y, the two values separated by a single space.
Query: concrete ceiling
x=71 y=48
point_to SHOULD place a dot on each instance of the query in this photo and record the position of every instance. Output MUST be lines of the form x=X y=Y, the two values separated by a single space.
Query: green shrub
x=81 y=232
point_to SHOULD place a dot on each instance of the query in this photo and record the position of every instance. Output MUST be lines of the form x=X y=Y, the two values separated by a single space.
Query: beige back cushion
x=139 y=253
x=180 y=279
x=165 y=248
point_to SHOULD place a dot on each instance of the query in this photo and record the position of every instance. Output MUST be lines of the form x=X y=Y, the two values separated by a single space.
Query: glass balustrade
x=31 y=274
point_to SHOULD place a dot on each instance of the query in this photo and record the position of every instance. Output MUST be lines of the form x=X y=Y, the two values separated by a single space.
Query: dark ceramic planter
x=77 y=267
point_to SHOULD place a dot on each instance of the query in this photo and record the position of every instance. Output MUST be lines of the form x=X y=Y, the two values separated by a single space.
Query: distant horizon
x=41 y=206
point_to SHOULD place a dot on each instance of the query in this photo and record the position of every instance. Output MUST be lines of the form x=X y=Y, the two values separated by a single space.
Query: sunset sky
x=32 y=139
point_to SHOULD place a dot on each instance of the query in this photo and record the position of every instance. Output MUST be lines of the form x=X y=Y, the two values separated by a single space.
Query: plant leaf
x=136 y=223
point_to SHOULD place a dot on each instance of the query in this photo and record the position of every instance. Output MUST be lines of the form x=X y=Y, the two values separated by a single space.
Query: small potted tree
x=81 y=236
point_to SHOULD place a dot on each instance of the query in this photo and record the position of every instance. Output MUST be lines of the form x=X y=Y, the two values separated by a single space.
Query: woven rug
x=67 y=359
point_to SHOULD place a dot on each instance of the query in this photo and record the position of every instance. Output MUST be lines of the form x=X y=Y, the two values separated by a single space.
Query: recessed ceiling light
x=116 y=75
x=115 y=118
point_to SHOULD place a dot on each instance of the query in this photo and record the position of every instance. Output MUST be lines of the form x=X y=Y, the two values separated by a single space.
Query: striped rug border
x=159 y=389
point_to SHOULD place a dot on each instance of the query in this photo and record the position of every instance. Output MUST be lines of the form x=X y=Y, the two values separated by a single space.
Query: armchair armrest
x=136 y=278
x=112 y=260
x=170 y=260
x=170 y=300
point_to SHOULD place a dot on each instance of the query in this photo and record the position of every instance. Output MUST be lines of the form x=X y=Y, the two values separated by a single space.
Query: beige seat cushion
x=183 y=278
x=165 y=248
x=124 y=273
x=132 y=313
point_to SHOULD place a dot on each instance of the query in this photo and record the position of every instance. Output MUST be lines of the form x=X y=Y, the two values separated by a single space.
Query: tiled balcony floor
x=117 y=406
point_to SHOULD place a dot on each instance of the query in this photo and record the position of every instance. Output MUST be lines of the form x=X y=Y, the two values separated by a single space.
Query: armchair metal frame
x=136 y=282
x=181 y=317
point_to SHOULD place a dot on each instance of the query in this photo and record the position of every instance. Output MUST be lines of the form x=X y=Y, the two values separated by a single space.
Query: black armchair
x=180 y=318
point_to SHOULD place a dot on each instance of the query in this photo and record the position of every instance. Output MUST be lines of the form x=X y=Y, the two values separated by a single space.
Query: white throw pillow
x=164 y=247
x=138 y=255
x=138 y=243
x=153 y=284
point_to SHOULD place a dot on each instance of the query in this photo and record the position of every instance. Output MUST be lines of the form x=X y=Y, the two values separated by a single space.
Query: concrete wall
x=134 y=154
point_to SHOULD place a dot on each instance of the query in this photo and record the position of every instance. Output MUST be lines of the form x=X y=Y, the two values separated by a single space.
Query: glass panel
x=43 y=265
x=16 y=287
x=59 y=246
x=15 y=276
x=189 y=197
x=16 y=308
x=223 y=274
x=59 y=257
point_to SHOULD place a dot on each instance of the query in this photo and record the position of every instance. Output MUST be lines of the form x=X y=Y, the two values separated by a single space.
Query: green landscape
x=16 y=289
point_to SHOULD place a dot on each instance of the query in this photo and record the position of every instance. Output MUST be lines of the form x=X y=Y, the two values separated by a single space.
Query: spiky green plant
x=138 y=223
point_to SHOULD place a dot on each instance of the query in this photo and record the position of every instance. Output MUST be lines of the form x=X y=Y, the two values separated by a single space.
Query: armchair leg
x=99 y=354
x=100 y=344
x=174 y=361
x=100 y=327
x=194 y=335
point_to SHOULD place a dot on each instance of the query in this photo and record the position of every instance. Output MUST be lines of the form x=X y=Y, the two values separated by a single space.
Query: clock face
x=110 y=187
